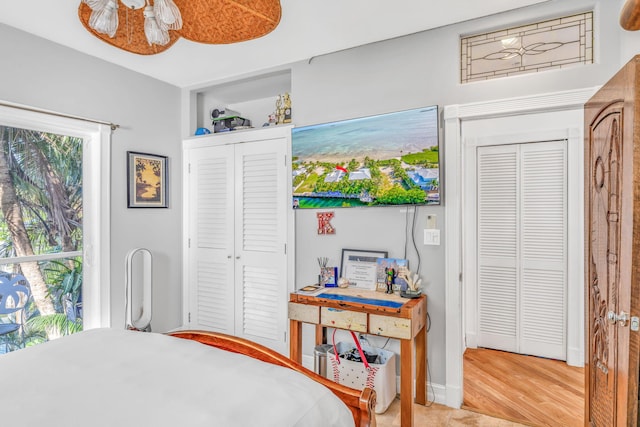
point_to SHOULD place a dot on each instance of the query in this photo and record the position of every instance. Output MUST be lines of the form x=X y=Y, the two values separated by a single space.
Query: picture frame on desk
x=388 y=272
x=329 y=277
x=359 y=267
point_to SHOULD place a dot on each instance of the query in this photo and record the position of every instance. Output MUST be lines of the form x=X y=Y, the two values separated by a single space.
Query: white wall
x=45 y=75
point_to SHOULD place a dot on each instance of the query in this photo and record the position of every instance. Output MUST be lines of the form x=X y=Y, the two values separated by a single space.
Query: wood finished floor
x=525 y=389
x=437 y=415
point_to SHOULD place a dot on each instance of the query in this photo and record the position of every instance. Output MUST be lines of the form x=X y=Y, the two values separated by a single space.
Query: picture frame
x=147 y=180
x=359 y=267
x=388 y=272
x=329 y=277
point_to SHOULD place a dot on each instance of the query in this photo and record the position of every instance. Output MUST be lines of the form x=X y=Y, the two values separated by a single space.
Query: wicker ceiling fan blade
x=630 y=15
x=228 y=21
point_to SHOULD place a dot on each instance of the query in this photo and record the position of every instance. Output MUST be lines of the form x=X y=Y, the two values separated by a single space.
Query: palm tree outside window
x=41 y=233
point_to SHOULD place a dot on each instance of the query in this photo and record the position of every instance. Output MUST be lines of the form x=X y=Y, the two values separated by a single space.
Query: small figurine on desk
x=390 y=277
x=413 y=285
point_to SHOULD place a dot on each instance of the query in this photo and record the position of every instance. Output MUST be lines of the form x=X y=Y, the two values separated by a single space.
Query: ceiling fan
x=121 y=23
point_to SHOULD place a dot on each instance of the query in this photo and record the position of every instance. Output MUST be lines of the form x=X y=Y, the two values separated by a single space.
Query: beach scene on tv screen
x=383 y=160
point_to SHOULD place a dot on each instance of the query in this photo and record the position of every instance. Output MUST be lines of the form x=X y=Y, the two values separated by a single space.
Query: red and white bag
x=380 y=376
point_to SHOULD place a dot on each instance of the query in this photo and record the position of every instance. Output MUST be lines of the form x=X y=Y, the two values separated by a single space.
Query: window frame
x=96 y=173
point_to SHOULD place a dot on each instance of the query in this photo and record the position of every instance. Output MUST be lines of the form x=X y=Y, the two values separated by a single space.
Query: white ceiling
x=308 y=28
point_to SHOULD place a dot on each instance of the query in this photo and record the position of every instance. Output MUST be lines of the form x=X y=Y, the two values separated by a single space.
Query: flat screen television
x=384 y=160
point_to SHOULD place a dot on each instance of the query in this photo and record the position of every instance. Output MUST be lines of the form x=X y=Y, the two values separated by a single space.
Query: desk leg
x=406 y=383
x=421 y=371
x=295 y=341
x=320 y=338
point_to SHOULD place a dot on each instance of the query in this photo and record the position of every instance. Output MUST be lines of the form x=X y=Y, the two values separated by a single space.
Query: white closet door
x=261 y=275
x=498 y=247
x=543 y=249
x=212 y=216
x=522 y=232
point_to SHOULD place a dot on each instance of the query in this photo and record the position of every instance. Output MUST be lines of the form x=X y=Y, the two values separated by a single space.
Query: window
x=54 y=174
x=542 y=46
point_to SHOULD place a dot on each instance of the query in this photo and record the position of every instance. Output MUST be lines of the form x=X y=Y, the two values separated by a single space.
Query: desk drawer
x=389 y=326
x=343 y=319
x=304 y=313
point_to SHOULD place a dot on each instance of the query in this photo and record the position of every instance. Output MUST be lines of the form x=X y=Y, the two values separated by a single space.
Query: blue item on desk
x=370 y=301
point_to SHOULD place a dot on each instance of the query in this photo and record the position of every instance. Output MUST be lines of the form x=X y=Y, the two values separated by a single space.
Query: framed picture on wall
x=147 y=178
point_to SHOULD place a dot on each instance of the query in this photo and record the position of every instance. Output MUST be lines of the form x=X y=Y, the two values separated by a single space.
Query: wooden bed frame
x=361 y=403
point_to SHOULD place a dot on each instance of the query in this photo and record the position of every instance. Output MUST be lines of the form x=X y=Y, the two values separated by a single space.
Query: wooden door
x=612 y=250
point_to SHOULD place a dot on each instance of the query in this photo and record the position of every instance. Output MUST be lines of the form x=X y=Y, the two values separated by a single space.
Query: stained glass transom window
x=558 y=43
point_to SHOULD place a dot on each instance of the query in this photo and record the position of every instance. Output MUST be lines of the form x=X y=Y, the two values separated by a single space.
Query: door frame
x=455 y=163
x=496 y=136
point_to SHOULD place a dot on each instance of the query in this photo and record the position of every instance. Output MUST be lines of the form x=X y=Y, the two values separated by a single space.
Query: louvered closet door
x=543 y=273
x=261 y=291
x=212 y=249
x=522 y=248
x=498 y=247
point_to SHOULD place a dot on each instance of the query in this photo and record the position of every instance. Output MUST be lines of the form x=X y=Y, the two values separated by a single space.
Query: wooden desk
x=406 y=323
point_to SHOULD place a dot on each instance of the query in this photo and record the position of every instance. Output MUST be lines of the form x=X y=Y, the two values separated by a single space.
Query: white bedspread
x=116 y=378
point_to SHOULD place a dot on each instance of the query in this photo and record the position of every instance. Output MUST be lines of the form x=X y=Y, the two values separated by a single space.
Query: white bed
x=111 y=377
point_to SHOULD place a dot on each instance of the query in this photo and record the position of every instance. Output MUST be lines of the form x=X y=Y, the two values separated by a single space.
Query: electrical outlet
x=431 y=222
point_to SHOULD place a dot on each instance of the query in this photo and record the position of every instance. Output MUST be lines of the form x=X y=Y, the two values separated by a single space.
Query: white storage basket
x=380 y=376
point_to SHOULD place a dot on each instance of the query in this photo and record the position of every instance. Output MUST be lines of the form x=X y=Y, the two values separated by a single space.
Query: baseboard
x=471 y=340
x=307 y=361
x=575 y=357
x=453 y=396
x=435 y=392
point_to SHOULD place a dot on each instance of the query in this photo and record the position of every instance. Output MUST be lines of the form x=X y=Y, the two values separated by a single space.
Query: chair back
x=14 y=292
